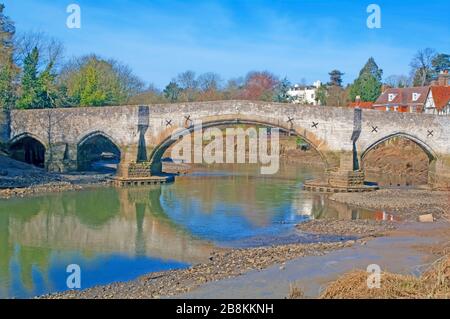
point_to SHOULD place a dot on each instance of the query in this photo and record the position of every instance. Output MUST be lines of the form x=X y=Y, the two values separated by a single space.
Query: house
x=438 y=100
x=403 y=100
x=433 y=99
x=302 y=94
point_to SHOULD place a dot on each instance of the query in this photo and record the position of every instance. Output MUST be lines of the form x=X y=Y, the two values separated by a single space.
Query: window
x=416 y=96
x=391 y=97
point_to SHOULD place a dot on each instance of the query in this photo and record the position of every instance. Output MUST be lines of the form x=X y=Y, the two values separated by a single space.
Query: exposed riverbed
x=117 y=235
x=212 y=224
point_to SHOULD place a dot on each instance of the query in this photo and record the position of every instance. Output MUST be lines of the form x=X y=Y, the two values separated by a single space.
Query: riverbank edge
x=231 y=263
x=407 y=204
x=223 y=264
x=369 y=230
x=50 y=188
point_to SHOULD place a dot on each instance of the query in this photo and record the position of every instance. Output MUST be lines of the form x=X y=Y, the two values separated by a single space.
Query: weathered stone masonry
x=4 y=127
x=330 y=130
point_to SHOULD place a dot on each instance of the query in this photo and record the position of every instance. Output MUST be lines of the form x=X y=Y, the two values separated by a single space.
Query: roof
x=441 y=96
x=363 y=105
x=404 y=96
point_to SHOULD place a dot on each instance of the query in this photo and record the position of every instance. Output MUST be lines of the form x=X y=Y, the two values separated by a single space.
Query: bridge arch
x=424 y=146
x=91 y=147
x=158 y=152
x=28 y=148
x=386 y=168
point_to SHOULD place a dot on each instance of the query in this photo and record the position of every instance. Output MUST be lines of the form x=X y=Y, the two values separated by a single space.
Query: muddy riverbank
x=223 y=264
x=407 y=204
x=227 y=264
x=19 y=179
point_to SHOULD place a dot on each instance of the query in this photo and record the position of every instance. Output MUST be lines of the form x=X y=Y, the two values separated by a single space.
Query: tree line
x=35 y=74
x=425 y=67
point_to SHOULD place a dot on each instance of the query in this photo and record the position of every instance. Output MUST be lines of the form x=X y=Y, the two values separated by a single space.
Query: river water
x=118 y=234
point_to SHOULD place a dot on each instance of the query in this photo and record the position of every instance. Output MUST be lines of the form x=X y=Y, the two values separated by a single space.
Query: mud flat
x=18 y=179
x=359 y=228
x=223 y=264
x=408 y=204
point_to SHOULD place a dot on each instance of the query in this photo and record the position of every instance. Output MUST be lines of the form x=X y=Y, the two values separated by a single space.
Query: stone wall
x=4 y=128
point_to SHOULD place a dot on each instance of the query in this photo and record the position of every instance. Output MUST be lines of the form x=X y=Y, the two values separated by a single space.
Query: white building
x=438 y=99
x=302 y=94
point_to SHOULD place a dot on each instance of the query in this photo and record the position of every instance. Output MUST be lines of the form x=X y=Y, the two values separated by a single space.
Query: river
x=118 y=234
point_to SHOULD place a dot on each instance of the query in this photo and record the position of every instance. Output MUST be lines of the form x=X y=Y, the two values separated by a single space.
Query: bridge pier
x=439 y=173
x=346 y=175
x=135 y=172
x=61 y=158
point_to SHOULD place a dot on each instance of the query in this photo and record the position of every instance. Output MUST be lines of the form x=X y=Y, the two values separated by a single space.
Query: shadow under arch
x=161 y=148
x=424 y=146
x=28 y=148
x=88 y=150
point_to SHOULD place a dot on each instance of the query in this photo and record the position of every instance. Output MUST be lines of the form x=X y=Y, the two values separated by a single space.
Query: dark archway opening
x=397 y=161
x=28 y=150
x=98 y=154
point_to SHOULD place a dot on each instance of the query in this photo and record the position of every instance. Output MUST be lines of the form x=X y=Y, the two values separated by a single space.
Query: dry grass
x=295 y=292
x=434 y=283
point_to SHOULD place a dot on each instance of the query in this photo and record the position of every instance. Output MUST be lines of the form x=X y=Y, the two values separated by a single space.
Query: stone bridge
x=342 y=136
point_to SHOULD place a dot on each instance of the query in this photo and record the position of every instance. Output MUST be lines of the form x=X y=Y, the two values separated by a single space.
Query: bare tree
x=422 y=66
x=51 y=50
x=188 y=83
x=397 y=81
x=187 y=80
x=209 y=81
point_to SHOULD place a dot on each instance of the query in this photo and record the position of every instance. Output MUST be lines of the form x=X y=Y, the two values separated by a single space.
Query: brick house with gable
x=405 y=100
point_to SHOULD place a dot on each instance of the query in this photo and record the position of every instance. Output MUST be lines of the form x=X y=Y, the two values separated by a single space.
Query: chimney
x=384 y=87
x=443 y=78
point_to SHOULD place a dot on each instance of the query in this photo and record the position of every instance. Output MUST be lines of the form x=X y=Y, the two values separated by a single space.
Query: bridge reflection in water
x=125 y=222
x=119 y=234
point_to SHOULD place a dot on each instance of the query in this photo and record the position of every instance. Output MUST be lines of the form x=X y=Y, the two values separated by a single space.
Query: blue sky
x=300 y=39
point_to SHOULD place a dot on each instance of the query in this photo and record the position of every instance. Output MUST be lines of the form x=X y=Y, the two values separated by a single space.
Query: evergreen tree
x=8 y=70
x=172 y=91
x=368 y=85
x=335 y=78
x=441 y=62
x=372 y=68
x=281 y=92
x=38 y=90
x=29 y=84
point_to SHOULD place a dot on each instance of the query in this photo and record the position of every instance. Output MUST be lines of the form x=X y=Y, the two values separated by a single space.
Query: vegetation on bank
x=35 y=74
x=434 y=284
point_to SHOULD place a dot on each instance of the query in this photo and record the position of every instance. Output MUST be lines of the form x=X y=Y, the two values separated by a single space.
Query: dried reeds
x=434 y=283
